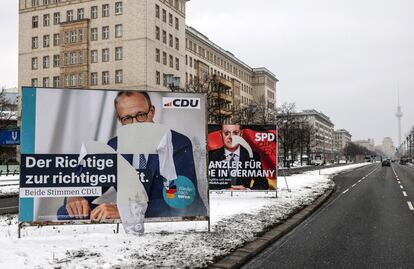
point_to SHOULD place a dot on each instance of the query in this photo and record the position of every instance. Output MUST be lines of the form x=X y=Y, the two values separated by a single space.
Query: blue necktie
x=142 y=162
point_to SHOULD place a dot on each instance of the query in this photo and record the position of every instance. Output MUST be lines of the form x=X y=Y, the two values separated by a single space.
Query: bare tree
x=218 y=97
x=8 y=111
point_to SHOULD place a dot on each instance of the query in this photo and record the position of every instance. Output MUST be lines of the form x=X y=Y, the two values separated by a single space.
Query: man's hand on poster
x=105 y=211
x=77 y=207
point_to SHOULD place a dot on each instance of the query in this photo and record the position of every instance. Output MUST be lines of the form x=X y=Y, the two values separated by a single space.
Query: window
x=81 y=57
x=164 y=37
x=35 y=21
x=94 y=56
x=94 y=12
x=105 y=55
x=118 y=30
x=46 y=20
x=118 y=76
x=119 y=53
x=170 y=19
x=73 y=36
x=45 y=62
x=171 y=42
x=46 y=82
x=81 y=14
x=66 y=58
x=177 y=64
x=191 y=62
x=157 y=11
x=94 y=34
x=69 y=15
x=46 y=41
x=73 y=58
x=118 y=8
x=177 y=24
x=164 y=15
x=105 y=10
x=56 y=60
x=157 y=32
x=34 y=82
x=34 y=63
x=164 y=80
x=67 y=37
x=164 y=58
x=177 y=44
x=35 y=3
x=35 y=42
x=171 y=61
x=45 y=2
x=157 y=78
x=73 y=80
x=56 y=82
x=157 y=55
x=105 y=32
x=186 y=60
x=105 y=77
x=80 y=35
x=56 y=18
x=94 y=78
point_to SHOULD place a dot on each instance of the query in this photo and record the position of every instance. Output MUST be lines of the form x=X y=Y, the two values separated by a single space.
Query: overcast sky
x=346 y=58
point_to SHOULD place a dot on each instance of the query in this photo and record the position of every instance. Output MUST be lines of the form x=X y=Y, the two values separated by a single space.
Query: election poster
x=242 y=157
x=105 y=156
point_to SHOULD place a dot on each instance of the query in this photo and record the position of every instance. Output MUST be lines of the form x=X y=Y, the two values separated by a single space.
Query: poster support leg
x=19 y=227
x=117 y=228
x=209 y=225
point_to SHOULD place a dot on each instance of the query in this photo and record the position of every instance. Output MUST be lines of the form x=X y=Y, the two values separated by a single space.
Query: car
x=386 y=163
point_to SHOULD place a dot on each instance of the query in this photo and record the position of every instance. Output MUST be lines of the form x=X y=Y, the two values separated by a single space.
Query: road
x=367 y=223
x=9 y=205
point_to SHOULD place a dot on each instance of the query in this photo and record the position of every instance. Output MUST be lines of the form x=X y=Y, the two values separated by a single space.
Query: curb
x=243 y=254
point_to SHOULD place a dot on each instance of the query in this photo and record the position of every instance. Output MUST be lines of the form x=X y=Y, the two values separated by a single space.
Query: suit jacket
x=259 y=183
x=184 y=166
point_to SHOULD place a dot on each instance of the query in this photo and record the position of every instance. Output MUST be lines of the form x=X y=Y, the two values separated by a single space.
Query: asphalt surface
x=367 y=223
x=9 y=205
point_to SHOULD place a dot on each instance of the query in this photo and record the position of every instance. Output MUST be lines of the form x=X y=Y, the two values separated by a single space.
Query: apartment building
x=128 y=44
x=341 y=138
x=245 y=84
x=323 y=146
x=101 y=44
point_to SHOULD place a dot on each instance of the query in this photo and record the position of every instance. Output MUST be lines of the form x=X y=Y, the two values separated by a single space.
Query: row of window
x=164 y=38
x=171 y=19
x=158 y=78
x=77 y=57
x=75 y=36
x=77 y=80
x=217 y=60
x=165 y=59
x=70 y=15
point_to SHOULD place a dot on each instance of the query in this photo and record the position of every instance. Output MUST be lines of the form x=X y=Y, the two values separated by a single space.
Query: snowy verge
x=235 y=220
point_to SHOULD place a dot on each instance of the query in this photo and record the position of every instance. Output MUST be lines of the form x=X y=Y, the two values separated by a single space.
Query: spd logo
x=261 y=137
x=181 y=102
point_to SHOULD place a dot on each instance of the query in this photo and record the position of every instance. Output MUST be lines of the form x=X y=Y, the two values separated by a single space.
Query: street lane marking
x=401 y=187
x=353 y=185
x=346 y=191
x=404 y=193
x=365 y=177
x=410 y=205
x=359 y=180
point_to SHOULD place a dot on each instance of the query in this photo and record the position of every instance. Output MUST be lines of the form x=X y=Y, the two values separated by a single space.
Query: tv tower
x=399 y=115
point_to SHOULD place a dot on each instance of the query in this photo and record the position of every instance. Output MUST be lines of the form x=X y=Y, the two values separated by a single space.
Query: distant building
x=341 y=138
x=388 y=147
x=368 y=144
x=323 y=145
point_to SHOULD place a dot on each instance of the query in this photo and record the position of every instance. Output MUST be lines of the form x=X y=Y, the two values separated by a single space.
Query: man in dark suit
x=236 y=156
x=135 y=107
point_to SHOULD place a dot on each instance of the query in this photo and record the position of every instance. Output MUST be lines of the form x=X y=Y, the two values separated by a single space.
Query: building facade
x=323 y=144
x=128 y=44
x=341 y=138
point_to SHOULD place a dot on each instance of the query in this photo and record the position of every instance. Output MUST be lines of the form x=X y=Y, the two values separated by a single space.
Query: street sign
x=9 y=137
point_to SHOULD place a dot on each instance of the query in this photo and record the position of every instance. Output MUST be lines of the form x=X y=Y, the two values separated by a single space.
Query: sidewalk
x=235 y=221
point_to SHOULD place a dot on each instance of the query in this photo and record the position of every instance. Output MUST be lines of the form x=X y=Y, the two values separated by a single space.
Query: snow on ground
x=9 y=185
x=235 y=220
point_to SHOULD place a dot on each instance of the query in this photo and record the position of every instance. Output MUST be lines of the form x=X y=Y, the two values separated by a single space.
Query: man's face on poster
x=227 y=132
x=134 y=108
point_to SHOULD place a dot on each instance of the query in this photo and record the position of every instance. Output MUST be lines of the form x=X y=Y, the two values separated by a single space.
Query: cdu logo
x=182 y=103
